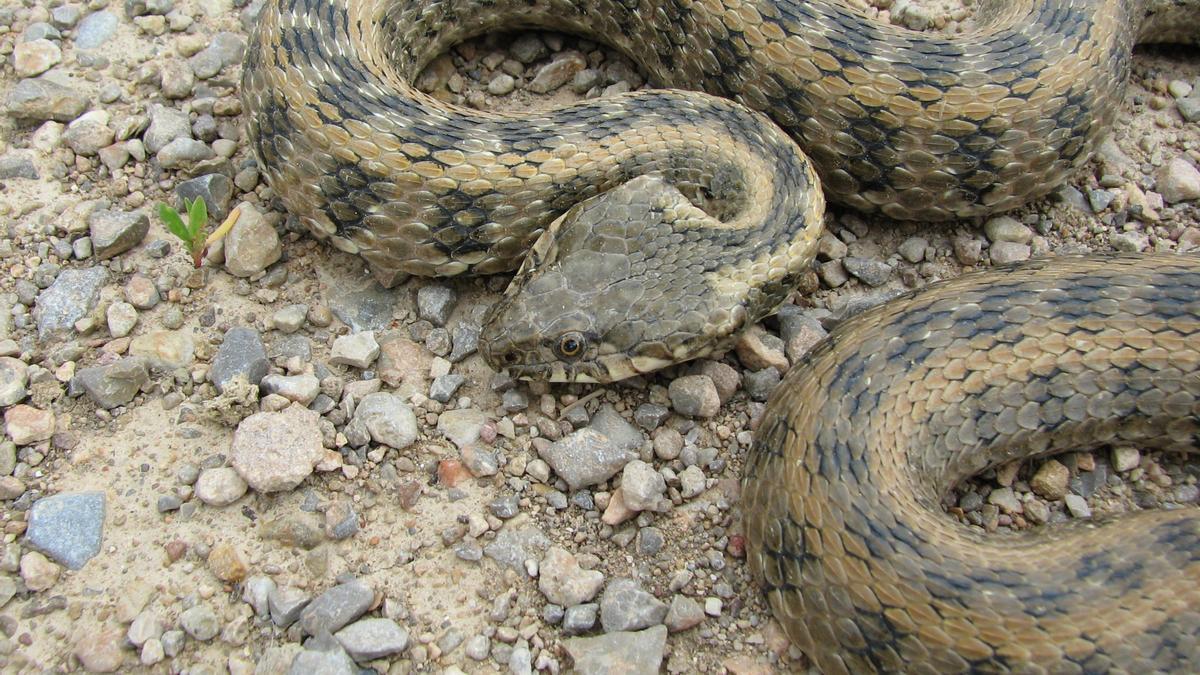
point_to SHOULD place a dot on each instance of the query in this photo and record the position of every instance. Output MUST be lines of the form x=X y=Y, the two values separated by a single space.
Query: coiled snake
x=654 y=226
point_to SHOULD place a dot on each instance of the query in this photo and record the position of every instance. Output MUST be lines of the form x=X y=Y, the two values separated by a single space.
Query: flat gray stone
x=336 y=607
x=112 y=385
x=624 y=606
x=512 y=548
x=610 y=423
x=67 y=527
x=114 y=232
x=630 y=653
x=585 y=457
x=388 y=419
x=37 y=100
x=70 y=298
x=95 y=29
x=372 y=639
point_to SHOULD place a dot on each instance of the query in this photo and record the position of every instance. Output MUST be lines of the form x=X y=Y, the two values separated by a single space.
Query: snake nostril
x=511 y=359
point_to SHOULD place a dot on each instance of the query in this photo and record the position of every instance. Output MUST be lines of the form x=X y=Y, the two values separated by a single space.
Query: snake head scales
x=588 y=303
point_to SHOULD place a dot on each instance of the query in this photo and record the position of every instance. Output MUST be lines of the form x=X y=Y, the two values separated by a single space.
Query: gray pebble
x=166 y=125
x=650 y=416
x=505 y=507
x=71 y=297
x=630 y=653
x=285 y=604
x=95 y=29
x=435 y=303
x=465 y=337
x=371 y=639
x=760 y=383
x=38 y=100
x=183 y=152
x=913 y=249
x=1078 y=506
x=477 y=647
x=1003 y=252
x=444 y=386
x=624 y=606
x=870 y=272
x=241 y=353
x=695 y=396
x=200 y=622
x=357 y=350
x=580 y=618
x=114 y=232
x=528 y=48
x=336 y=607
x=215 y=189
x=585 y=457
x=67 y=527
x=114 y=384
x=387 y=419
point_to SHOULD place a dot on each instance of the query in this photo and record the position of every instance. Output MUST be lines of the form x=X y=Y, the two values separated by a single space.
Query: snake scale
x=651 y=227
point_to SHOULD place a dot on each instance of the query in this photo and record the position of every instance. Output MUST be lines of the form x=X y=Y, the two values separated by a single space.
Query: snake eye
x=571 y=345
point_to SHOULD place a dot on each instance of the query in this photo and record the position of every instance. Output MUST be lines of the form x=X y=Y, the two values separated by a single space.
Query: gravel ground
x=381 y=498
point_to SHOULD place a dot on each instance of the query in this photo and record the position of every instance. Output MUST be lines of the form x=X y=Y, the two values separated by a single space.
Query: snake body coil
x=653 y=226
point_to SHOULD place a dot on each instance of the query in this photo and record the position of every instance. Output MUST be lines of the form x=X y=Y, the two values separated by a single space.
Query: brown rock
x=1050 y=481
x=226 y=563
x=100 y=651
x=25 y=424
x=276 y=451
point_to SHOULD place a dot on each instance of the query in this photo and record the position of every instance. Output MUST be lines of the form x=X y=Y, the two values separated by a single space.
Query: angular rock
x=1178 y=181
x=14 y=376
x=35 y=100
x=388 y=419
x=100 y=651
x=242 y=353
x=624 y=606
x=642 y=487
x=200 y=622
x=357 y=350
x=585 y=458
x=95 y=29
x=512 y=547
x=68 y=527
x=164 y=349
x=564 y=582
x=694 y=396
x=462 y=426
x=38 y=573
x=336 y=607
x=70 y=298
x=25 y=424
x=220 y=486
x=684 y=613
x=1051 y=480
x=115 y=384
x=252 y=245
x=114 y=232
x=631 y=653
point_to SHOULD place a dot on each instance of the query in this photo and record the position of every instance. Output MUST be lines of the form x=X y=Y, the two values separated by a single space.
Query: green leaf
x=197 y=217
x=174 y=222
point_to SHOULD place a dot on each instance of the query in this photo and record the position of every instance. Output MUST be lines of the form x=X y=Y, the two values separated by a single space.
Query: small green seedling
x=192 y=233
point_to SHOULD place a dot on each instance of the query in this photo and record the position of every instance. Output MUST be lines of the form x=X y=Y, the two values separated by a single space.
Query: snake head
x=612 y=289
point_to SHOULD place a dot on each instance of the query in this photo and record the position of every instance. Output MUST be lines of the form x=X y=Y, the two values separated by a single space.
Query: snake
x=651 y=228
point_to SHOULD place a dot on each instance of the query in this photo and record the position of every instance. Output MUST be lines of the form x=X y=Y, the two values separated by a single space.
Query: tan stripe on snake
x=685 y=218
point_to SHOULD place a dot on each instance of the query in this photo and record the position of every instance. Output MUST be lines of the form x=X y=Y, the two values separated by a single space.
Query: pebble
x=512 y=547
x=1050 y=481
x=146 y=626
x=1125 y=458
x=609 y=422
x=642 y=487
x=561 y=69
x=624 y=606
x=289 y=319
x=226 y=563
x=252 y=244
x=122 y=317
x=214 y=188
x=322 y=655
x=166 y=125
x=371 y=639
x=694 y=396
x=17 y=166
x=336 y=607
x=630 y=653
x=444 y=386
x=1177 y=181
x=387 y=419
x=435 y=303
x=1003 y=252
x=357 y=350
x=1130 y=242
x=100 y=651
x=683 y=614
x=115 y=384
x=114 y=232
x=913 y=249
x=74 y=293
x=1006 y=499
x=35 y=100
x=95 y=29
x=967 y=250
x=758 y=349
x=68 y=526
x=243 y=354
x=461 y=427
x=580 y=618
x=691 y=482
x=871 y=272
x=832 y=273
x=584 y=458
x=38 y=572
x=501 y=85
x=200 y=623
x=650 y=416
x=1078 y=506
x=1007 y=228
x=89 y=132
x=302 y=389
x=220 y=486
x=285 y=604
x=182 y=153
x=760 y=383
x=35 y=57
x=275 y=451
x=528 y=48
x=564 y=582
x=25 y=424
